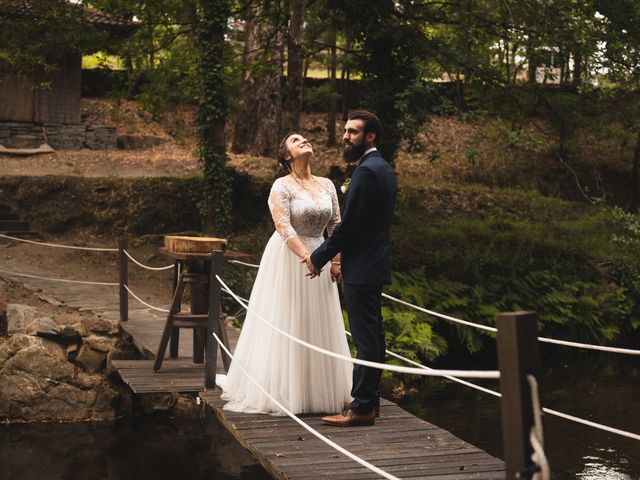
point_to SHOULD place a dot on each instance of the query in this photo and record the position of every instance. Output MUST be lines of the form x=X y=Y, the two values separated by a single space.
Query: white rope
x=143 y=302
x=317 y=434
x=586 y=346
x=366 y=363
x=146 y=266
x=73 y=247
x=493 y=329
x=238 y=262
x=436 y=314
x=478 y=387
x=536 y=435
x=499 y=395
x=58 y=279
x=589 y=423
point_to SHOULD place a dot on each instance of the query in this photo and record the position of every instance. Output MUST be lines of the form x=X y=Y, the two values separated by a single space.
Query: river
x=140 y=448
x=600 y=387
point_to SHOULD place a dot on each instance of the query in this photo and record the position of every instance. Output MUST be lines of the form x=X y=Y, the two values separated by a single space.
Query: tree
x=295 y=64
x=259 y=113
x=212 y=115
x=621 y=34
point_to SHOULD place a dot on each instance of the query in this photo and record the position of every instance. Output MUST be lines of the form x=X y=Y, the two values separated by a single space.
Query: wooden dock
x=399 y=443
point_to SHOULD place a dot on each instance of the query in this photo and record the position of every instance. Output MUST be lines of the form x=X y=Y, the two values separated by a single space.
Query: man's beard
x=354 y=153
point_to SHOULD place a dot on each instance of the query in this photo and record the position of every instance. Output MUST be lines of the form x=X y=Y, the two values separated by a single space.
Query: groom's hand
x=313 y=271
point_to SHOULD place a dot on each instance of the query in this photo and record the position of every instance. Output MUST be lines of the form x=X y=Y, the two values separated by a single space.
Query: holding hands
x=336 y=272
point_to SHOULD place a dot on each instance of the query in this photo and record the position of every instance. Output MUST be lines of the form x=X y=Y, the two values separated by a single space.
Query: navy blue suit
x=362 y=238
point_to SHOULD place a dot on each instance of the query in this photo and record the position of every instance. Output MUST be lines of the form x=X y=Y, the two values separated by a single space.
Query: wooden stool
x=204 y=317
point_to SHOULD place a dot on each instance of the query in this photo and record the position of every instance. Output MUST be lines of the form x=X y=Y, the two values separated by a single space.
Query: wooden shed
x=52 y=96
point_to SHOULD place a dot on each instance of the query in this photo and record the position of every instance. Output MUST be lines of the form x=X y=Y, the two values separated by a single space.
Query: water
x=604 y=388
x=141 y=448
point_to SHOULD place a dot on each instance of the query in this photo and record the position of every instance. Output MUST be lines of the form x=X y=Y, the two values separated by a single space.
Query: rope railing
x=382 y=366
x=494 y=393
x=566 y=343
x=143 y=302
x=84 y=282
x=536 y=436
x=238 y=262
x=147 y=267
x=55 y=245
x=293 y=416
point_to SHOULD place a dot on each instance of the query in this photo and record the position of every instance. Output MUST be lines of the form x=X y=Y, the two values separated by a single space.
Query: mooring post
x=518 y=356
x=123 y=268
x=213 y=323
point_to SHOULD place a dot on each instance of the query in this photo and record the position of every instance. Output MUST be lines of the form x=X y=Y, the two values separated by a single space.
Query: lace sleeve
x=279 y=205
x=335 y=208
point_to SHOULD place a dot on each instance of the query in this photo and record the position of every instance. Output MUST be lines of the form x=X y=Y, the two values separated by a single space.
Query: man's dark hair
x=370 y=120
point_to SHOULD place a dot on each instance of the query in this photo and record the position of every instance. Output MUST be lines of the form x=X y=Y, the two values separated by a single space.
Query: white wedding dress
x=302 y=380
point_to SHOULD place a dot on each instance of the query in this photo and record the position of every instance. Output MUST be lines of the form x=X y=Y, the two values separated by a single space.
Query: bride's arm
x=335 y=217
x=279 y=204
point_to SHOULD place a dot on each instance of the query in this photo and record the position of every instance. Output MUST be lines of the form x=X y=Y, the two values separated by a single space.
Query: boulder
x=90 y=360
x=101 y=344
x=20 y=318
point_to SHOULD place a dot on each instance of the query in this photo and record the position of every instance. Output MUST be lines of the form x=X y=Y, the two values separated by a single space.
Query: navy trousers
x=365 y=322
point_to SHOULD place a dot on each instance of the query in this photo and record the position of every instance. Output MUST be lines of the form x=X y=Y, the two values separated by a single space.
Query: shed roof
x=93 y=15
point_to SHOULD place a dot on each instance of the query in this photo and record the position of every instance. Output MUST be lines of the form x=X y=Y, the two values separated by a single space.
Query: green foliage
x=565 y=265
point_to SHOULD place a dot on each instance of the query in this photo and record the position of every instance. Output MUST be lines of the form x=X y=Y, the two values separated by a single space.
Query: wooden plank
x=399 y=443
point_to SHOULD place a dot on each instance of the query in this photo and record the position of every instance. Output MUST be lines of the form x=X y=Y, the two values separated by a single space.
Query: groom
x=362 y=237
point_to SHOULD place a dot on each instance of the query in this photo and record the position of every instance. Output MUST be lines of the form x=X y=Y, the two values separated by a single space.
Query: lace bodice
x=303 y=211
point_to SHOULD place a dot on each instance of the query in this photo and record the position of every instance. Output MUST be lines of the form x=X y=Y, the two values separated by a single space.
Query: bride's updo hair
x=283 y=155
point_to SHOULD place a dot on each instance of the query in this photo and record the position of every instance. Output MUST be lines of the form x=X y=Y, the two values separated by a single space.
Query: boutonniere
x=345 y=185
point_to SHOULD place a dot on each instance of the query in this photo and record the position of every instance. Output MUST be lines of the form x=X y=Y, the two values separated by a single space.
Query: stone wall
x=58 y=136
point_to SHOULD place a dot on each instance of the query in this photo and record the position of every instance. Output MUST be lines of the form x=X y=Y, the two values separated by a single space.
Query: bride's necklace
x=300 y=181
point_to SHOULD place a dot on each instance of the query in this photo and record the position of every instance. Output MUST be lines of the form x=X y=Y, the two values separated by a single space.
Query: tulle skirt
x=302 y=380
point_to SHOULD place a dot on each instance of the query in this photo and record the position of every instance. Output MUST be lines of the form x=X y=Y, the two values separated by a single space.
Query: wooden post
x=518 y=355
x=123 y=267
x=213 y=323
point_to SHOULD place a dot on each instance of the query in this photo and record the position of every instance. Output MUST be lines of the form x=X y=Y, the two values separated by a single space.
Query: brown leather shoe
x=349 y=418
x=347 y=406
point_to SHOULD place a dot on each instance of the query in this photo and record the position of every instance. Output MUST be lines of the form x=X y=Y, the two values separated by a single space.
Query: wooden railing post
x=123 y=268
x=518 y=356
x=213 y=323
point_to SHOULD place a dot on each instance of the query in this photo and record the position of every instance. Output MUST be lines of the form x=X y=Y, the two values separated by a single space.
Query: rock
x=36 y=360
x=90 y=360
x=46 y=327
x=15 y=343
x=78 y=329
x=72 y=351
x=185 y=407
x=156 y=402
x=20 y=318
x=101 y=344
x=135 y=142
x=68 y=403
x=119 y=353
x=101 y=325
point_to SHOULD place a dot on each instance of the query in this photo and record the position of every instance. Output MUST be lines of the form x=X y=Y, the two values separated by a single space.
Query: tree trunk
x=295 y=58
x=635 y=190
x=577 y=69
x=212 y=114
x=333 y=87
x=259 y=115
x=345 y=93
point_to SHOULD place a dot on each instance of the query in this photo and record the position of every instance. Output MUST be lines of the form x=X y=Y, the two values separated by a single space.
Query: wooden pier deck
x=399 y=443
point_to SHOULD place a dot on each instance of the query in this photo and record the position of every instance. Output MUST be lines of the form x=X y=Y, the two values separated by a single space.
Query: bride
x=301 y=379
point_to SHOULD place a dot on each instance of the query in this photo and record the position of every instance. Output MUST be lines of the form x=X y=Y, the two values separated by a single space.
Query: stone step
x=8 y=216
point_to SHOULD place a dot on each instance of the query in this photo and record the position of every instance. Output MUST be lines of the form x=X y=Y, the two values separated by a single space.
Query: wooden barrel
x=178 y=244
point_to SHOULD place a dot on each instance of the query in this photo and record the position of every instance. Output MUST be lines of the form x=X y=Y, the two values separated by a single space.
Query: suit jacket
x=362 y=236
